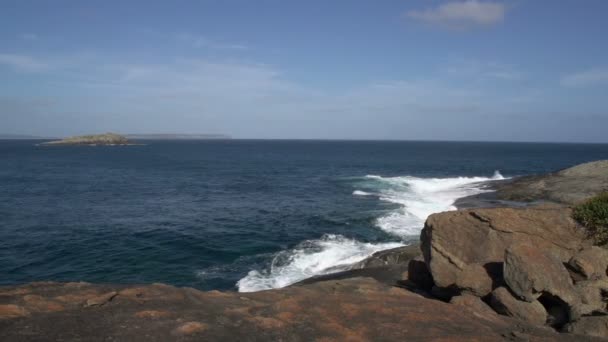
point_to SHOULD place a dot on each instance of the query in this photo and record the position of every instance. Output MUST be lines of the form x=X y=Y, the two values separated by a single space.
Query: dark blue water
x=205 y=213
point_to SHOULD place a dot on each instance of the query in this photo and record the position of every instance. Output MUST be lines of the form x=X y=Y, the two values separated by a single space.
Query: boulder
x=503 y=302
x=591 y=263
x=531 y=273
x=474 y=279
x=593 y=295
x=591 y=326
x=456 y=242
x=473 y=304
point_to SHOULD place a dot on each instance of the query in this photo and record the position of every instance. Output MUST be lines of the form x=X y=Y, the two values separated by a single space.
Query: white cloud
x=461 y=14
x=592 y=77
x=22 y=62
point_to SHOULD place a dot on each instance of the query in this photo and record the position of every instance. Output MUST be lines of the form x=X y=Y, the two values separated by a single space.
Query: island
x=107 y=139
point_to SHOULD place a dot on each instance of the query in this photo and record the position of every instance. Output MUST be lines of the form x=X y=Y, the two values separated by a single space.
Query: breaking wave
x=331 y=253
x=417 y=199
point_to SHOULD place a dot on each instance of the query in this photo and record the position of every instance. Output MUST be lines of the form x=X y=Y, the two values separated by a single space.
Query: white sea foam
x=361 y=193
x=331 y=253
x=420 y=197
x=417 y=199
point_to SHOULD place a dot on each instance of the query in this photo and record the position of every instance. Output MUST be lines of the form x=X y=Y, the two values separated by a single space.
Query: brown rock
x=102 y=299
x=474 y=279
x=505 y=304
x=474 y=304
x=12 y=311
x=40 y=304
x=530 y=273
x=452 y=241
x=190 y=328
x=593 y=295
x=591 y=262
x=338 y=310
x=591 y=326
x=152 y=314
x=570 y=186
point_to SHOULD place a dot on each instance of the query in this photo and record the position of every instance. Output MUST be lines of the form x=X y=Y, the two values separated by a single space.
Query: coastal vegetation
x=593 y=214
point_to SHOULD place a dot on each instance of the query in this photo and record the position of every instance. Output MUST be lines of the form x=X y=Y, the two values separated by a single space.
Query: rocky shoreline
x=516 y=266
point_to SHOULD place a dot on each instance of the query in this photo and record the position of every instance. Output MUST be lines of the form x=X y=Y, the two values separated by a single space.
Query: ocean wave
x=419 y=197
x=331 y=253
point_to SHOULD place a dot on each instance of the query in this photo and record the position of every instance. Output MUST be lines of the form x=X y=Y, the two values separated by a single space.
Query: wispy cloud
x=461 y=14
x=587 y=78
x=485 y=70
x=28 y=36
x=199 y=41
x=22 y=62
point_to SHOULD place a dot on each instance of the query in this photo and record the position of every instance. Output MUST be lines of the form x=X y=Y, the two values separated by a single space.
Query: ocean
x=242 y=215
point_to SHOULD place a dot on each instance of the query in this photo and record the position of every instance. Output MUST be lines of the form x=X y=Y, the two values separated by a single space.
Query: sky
x=520 y=70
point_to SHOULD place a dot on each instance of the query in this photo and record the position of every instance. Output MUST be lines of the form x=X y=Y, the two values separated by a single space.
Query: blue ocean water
x=214 y=214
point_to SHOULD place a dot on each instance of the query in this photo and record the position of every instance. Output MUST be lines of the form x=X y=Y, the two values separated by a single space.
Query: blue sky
x=521 y=70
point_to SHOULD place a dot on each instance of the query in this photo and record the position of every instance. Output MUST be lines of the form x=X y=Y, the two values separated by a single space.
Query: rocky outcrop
x=358 y=309
x=464 y=250
x=97 y=139
x=570 y=186
x=533 y=264
x=531 y=273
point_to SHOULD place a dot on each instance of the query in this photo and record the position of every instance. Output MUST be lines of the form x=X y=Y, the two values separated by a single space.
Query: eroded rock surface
x=570 y=186
x=358 y=309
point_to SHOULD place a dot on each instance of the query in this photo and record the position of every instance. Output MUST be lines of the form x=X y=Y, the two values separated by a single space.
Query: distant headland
x=108 y=139
x=112 y=139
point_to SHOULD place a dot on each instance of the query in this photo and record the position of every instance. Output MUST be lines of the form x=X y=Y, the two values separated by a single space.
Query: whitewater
x=417 y=198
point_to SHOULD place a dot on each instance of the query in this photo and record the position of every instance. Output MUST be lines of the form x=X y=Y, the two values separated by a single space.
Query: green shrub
x=593 y=214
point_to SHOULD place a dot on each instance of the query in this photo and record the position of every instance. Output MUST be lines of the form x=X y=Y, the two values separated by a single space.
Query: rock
x=12 y=311
x=356 y=309
x=530 y=273
x=389 y=257
x=475 y=279
x=569 y=186
x=39 y=304
x=190 y=328
x=503 y=302
x=591 y=263
x=593 y=295
x=419 y=274
x=474 y=304
x=455 y=243
x=102 y=299
x=592 y=326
